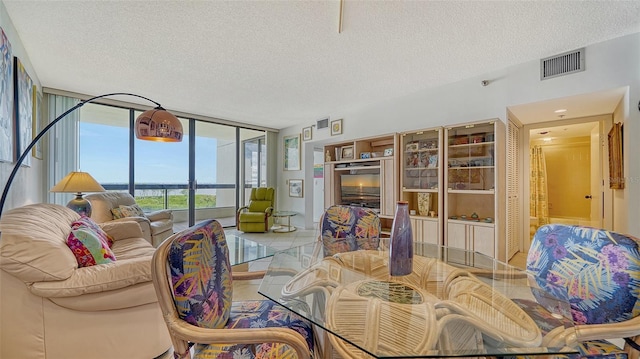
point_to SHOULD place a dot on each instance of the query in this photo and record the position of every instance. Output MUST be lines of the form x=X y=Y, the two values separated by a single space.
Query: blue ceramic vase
x=401 y=245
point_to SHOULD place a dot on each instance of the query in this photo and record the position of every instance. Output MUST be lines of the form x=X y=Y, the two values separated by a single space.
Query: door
x=597 y=183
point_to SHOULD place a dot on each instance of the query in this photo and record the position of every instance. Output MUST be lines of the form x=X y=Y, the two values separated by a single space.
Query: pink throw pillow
x=89 y=243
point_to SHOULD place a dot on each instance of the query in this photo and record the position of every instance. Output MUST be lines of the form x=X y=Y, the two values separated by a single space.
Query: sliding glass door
x=197 y=178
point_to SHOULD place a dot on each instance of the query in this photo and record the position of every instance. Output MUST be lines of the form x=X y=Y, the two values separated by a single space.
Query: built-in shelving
x=473 y=200
x=372 y=163
x=421 y=182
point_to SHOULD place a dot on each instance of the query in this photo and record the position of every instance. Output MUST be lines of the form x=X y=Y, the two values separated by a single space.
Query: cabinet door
x=457 y=235
x=388 y=188
x=329 y=186
x=416 y=228
x=484 y=240
x=430 y=232
x=425 y=231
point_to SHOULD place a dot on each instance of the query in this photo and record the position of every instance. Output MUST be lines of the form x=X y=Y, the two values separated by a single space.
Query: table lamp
x=78 y=182
x=156 y=124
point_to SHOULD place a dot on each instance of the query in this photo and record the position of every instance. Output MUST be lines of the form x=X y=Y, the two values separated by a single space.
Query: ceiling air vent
x=563 y=64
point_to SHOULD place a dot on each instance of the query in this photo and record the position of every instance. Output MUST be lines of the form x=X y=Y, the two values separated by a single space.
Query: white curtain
x=62 y=142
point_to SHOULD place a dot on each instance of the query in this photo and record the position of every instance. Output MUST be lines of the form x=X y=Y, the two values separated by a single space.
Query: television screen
x=360 y=190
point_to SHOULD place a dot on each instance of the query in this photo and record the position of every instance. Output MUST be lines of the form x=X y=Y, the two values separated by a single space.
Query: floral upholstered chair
x=349 y=228
x=598 y=273
x=193 y=280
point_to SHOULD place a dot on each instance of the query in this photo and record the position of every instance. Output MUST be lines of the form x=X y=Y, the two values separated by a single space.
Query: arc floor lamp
x=156 y=124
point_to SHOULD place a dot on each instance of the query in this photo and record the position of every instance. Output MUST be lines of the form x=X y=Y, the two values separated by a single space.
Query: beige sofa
x=156 y=226
x=50 y=308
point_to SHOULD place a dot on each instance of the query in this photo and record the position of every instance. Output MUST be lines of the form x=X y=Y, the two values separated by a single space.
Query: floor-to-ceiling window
x=254 y=169
x=196 y=178
x=104 y=145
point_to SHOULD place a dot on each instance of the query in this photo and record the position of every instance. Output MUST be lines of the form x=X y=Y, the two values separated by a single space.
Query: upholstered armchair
x=258 y=215
x=598 y=273
x=121 y=206
x=349 y=228
x=193 y=281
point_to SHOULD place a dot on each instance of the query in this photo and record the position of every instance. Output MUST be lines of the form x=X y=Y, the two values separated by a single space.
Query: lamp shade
x=78 y=182
x=158 y=125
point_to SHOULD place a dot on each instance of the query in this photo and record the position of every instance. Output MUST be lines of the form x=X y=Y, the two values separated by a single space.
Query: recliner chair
x=258 y=215
x=156 y=226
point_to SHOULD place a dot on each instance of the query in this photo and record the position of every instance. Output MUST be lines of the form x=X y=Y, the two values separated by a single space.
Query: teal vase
x=401 y=244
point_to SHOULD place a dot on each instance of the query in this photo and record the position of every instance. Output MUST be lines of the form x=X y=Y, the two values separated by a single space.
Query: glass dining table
x=455 y=303
x=243 y=250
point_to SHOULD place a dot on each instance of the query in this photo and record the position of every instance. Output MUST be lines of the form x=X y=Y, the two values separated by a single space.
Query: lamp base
x=80 y=205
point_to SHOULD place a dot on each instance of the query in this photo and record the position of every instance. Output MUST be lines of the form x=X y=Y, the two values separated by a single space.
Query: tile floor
x=248 y=289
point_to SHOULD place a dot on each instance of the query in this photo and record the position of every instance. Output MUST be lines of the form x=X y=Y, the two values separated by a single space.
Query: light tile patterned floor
x=248 y=289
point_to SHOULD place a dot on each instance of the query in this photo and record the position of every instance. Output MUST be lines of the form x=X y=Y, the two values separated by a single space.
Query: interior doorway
x=566 y=173
x=572 y=133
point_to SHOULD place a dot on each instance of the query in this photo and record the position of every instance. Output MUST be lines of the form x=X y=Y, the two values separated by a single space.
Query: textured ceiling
x=278 y=63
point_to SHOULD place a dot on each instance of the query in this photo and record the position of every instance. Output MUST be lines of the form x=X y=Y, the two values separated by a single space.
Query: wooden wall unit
x=475 y=197
x=462 y=169
x=363 y=156
x=421 y=182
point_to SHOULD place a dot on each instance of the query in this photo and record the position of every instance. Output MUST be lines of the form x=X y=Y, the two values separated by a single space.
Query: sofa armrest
x=97 y=278
x=268 y=211
x=159 y=215
x=122 y=229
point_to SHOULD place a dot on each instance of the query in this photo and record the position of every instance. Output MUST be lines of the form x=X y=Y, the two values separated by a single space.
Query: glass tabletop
x=243 y=250
x=455 y=303
x=284 y=213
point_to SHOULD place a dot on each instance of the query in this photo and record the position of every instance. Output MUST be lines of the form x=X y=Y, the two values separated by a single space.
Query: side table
x=281 y=228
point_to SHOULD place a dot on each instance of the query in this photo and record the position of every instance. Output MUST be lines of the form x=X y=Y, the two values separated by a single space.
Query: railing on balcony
x=155 y=196
x=211 y=200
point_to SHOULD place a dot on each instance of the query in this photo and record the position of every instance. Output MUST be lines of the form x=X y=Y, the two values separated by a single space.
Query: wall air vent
x=324 y=123
x=563 y=64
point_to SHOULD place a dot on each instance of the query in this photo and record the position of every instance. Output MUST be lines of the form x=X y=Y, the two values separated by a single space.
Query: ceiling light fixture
x=152 y=125
x=560 y=110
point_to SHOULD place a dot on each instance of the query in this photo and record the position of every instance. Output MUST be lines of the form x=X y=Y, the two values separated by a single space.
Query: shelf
x=417 y=190
x=355 y=168
x=471 y=167
x=471 y=144
x=472 y=222
x=424 y=218
x=420 y=168
x=471 y=191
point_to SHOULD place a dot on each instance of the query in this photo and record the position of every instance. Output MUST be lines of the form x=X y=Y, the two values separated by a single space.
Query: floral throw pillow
x=127 y=211
x=89 y=243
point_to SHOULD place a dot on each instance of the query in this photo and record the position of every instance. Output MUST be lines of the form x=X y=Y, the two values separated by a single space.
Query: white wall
x=611 y=64
x=27 y=185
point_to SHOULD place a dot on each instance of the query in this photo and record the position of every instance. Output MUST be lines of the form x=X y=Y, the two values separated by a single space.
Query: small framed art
x=292 y=153
x=336 y=127
x=295 y=188
x=347 y=153
x=306 y=133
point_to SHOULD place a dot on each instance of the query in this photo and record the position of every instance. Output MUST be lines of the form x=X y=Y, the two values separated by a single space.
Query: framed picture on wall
x=295 y=188
x=36 y=126
x=306 y=133
x=6 y=99
x=616 y=170
x=336 y=127
x=292 y=153
x=23 y=86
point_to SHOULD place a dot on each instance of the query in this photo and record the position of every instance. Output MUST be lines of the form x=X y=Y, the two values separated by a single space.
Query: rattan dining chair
x=349 y=228
x=194 y=283
x=598 y=273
